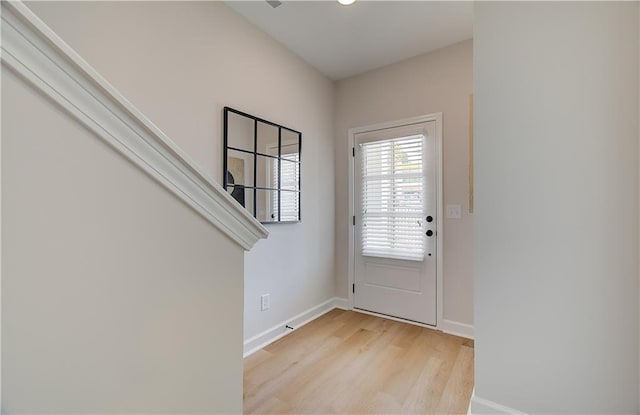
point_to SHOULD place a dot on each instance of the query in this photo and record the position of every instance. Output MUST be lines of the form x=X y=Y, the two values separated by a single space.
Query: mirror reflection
x=267 y=205
x=239 y=132
x=244 y=196
x=239 y=168
x=267 y=139
x=290 y=147
x=262 y=166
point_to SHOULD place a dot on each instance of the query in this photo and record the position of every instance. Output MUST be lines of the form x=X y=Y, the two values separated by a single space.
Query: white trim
x=457 y=329
x=437 y=117
x=484 y=406
x=278 y=331
x=341 y=303
x=1 y=406
x=39 y=56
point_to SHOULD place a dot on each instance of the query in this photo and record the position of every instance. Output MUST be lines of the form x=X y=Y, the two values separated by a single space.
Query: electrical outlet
x=265 y=302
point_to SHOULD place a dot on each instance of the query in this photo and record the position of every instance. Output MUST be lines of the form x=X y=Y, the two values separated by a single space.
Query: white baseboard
x=341 y=303
x=456 y=328
x=484 y=406
x=278 y=331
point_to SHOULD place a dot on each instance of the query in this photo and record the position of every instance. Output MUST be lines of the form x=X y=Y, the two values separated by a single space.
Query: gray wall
x=180 y=63
x=556 y=222
x=116 y=296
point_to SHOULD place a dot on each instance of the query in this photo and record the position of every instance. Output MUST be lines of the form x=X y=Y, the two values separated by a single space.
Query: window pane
x=267 y=139
x=243 y=195
x=290 y=175
x=267 y=172
x=240 y=131
x=239 y=168
x=267 y=205
x=290 y=142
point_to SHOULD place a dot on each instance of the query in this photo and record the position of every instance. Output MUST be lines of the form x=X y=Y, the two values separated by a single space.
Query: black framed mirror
x=261 y=166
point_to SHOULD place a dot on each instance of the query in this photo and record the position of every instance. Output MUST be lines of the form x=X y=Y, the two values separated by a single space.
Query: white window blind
x=393 y=198
x=289 y=180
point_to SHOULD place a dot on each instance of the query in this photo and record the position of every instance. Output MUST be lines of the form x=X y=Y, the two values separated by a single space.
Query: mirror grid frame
x=255 y=153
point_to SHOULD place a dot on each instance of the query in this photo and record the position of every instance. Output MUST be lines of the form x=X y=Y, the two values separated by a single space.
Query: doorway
x=395 y=191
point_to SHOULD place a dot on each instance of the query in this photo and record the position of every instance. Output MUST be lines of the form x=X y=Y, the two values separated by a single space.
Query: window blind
x=393 y=198
x=289 y=181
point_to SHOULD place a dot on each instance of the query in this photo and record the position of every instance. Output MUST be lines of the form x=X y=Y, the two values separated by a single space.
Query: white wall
x=180 y=63
x=117 y=297
x=440 y=81
x=556 y=222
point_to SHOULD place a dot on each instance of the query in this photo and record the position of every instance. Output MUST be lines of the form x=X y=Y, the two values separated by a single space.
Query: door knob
x=429 y=232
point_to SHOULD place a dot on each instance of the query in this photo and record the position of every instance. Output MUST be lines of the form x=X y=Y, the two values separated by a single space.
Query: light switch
x=454 y=211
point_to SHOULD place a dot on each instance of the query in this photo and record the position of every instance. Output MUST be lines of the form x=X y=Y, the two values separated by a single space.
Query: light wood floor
x=346 y=362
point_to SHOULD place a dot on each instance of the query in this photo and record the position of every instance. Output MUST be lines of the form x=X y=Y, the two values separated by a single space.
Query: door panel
x=404 y=278
x=395 y=243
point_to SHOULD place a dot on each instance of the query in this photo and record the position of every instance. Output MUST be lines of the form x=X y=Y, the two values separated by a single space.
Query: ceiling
x=341 y=41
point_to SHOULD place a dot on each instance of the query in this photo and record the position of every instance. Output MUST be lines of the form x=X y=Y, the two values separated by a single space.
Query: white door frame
x=437 y=117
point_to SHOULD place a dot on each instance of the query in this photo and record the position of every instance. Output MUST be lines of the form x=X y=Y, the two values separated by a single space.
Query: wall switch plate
x=454 y=211
x=265 y=302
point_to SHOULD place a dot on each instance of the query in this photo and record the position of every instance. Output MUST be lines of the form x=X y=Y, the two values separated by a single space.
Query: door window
x=393 y=198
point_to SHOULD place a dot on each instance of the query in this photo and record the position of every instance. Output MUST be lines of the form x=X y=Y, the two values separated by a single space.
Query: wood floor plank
x=256 y=359
x=349 y=362
x=268 y=381
x=425 y=394
x=364 y=389
x=459 y=384
x=381 y=354
x=320 y=382
x=275 y=406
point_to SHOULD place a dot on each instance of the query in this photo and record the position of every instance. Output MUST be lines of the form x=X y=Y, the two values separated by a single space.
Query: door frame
x=437 y=117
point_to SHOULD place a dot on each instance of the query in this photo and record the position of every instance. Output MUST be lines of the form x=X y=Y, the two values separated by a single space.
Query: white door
x=395 y=222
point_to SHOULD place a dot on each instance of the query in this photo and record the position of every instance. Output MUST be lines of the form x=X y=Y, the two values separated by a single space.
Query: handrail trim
x=38 y=55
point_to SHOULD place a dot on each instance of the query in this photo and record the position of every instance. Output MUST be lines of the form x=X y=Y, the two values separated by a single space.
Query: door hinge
x=354 y=220
x=353 y=151
x=353 y=288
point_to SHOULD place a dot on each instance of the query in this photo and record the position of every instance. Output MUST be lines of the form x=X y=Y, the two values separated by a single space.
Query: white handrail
x=42 y=58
